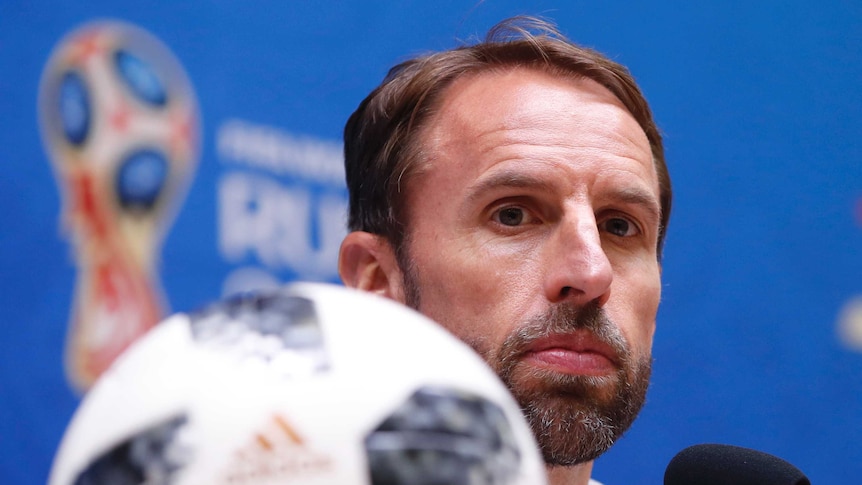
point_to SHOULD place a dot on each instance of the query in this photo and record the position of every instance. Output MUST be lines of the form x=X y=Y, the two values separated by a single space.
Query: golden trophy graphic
x=119 y=121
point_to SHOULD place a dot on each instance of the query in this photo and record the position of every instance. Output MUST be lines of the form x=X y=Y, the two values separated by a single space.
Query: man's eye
x=620 y=227
x=510 y=216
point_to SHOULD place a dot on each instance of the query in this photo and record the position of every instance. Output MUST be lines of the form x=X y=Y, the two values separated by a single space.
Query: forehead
x=531 y=116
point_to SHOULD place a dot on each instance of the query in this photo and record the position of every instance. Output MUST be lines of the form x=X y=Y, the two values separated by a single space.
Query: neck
x=570 y=475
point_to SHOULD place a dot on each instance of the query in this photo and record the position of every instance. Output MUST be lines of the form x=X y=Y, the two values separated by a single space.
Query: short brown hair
x=381 y=137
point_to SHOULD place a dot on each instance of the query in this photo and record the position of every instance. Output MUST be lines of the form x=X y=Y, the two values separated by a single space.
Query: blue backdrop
x=759 y=340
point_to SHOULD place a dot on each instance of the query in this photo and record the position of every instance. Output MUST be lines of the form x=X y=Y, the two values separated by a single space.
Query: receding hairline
x=419 y=150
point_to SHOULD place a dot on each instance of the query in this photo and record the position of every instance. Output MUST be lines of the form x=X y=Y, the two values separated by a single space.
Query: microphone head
x=714 y=464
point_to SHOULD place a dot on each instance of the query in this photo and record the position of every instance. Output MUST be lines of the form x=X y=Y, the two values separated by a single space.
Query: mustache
x=562 y=319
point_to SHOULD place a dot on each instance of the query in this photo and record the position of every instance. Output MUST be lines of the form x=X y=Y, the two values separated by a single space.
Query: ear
x=367 y=262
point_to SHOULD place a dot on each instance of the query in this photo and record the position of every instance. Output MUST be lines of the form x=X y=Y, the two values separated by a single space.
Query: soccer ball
x=311 y=384
x=119 y=121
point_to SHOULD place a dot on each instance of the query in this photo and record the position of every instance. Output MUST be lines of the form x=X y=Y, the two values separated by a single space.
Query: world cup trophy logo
x=119 y=121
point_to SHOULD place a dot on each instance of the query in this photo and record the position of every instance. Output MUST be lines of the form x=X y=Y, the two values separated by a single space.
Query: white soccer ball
x=312 y=384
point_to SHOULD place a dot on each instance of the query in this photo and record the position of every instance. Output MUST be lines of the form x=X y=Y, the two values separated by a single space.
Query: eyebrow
x=638 y=197
x=507 y=179
x=626 y=195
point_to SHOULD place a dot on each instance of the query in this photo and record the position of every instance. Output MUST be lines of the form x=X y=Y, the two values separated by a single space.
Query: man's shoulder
x=593 y=482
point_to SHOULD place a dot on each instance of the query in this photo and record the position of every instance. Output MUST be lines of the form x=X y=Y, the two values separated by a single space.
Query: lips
x=577 y=353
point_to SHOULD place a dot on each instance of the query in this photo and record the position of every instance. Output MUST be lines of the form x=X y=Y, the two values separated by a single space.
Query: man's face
x=532 y=231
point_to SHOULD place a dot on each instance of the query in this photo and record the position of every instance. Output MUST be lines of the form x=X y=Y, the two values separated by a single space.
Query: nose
x=578 y=269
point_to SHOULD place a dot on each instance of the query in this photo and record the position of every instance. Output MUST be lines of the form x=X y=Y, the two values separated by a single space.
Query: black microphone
x=711 y=464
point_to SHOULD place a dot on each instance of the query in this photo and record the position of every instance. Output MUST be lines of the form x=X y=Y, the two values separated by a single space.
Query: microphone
x=713 y=464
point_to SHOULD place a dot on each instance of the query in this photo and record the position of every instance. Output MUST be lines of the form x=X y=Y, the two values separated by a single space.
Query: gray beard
x=573 y=418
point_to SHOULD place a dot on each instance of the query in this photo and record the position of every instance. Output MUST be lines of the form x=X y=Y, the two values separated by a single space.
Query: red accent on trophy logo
x=109 y=288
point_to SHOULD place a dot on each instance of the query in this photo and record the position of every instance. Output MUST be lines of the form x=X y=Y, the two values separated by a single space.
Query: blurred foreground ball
x=312 y=384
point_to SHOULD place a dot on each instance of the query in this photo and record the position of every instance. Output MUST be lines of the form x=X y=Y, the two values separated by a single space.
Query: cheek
x=472 y=293
x=636 y=299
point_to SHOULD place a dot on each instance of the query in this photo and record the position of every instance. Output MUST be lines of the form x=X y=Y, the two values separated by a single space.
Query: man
x=516 y=192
